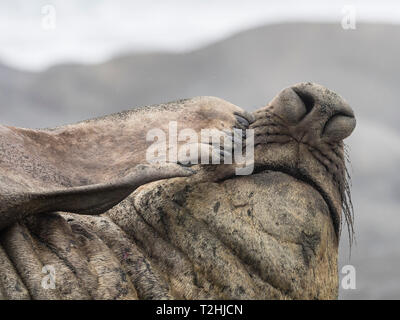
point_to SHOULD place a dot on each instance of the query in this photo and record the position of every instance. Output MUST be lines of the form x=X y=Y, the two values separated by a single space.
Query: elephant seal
x=209 y=235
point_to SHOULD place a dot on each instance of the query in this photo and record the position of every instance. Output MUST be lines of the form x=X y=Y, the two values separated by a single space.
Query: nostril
x=307 y=99
x=339 y=127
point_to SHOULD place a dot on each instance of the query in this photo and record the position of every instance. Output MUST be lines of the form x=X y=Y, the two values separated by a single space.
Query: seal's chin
x=308 y=179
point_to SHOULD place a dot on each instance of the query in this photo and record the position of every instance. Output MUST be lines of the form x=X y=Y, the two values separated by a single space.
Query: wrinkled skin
x=270 y=235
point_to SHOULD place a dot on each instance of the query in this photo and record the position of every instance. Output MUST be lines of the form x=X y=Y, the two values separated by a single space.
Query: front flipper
x=90 y=199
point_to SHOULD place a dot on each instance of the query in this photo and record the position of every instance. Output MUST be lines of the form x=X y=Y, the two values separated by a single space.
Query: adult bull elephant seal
x=273 y=234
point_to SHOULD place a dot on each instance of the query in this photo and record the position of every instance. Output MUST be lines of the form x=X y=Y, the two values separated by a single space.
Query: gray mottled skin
x=82 y=199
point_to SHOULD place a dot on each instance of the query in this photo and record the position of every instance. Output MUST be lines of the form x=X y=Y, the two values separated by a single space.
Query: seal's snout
x=314 y=113
x=300 y=132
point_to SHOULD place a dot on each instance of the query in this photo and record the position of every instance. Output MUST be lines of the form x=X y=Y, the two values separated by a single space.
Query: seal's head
x=300 y=132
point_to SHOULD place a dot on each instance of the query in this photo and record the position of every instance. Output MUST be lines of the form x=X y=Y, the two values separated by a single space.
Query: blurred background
x=65 y=61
